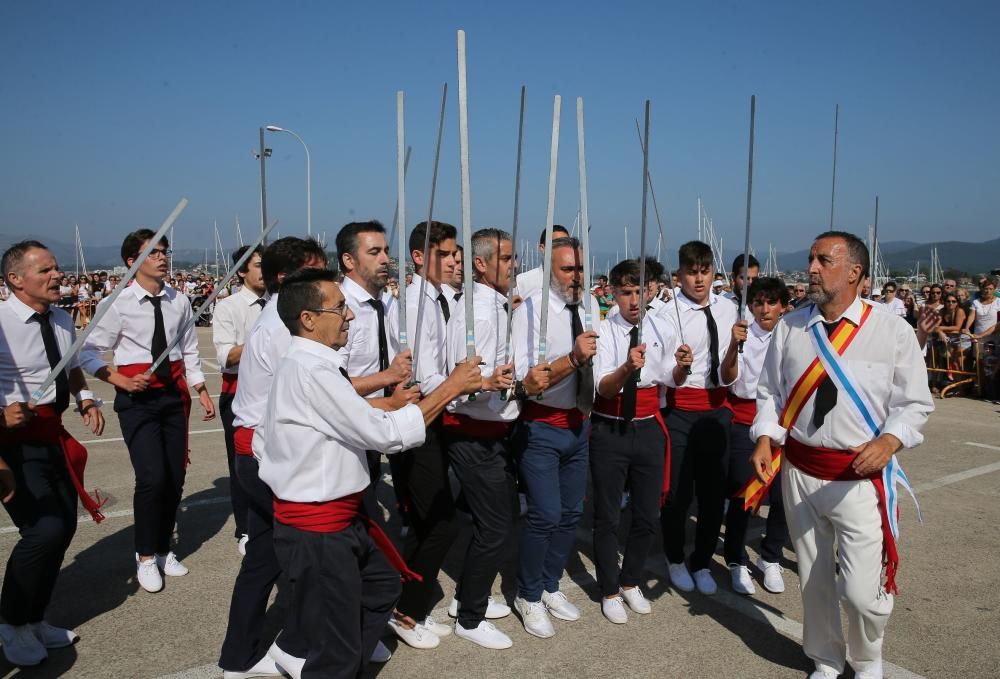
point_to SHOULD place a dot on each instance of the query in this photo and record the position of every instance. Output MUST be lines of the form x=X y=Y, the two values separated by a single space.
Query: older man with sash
x=842 y=390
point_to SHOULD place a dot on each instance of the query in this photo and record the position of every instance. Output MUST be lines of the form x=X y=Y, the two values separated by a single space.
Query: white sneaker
x=874 y=673
x=742 y=582
x=265 y=667
x=286 y=662
x=680 y=577
x=535 y=618
x=381 y=654
x=485 y=634
x=417 y=637
x=636 y=600
x=171 y=565
x=823 y=674
x=494 y=609
x=148 y=575
x=435 y=628
x=54 y=637
x=241 y=546
x=773 y=582
x=614 y=610
x=704 y=581
x=20 y=645
x=559 y=606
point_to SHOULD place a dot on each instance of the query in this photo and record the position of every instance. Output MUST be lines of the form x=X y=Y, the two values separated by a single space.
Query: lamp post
x=275 y=128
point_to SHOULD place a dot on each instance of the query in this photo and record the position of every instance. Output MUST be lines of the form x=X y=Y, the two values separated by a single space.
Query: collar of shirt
x=141 y=293
x=623 y=326
x=249 y=295
x=556 y=303
x=317 y=349
x=432 y=291
x=691 y=305
x=851 y=313
x=480 y=290
x=355 y=293
x=759 y=333
x=20 y=309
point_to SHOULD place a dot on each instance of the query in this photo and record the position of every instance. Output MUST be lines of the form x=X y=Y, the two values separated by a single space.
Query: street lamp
x=275 y=128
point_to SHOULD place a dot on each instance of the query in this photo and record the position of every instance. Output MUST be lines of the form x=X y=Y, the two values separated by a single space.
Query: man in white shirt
x=313 y=442
x=698 y=420
x=553 y=437
x=889 y=300
x=628 y=440
x=736 y=278
x=531 y=280
x=242 y=649
x=985 y=307
x=837 y=442
x=231 y=323
x=153 y=409
x=768 y=300
x=41 y=465
x=476 y=438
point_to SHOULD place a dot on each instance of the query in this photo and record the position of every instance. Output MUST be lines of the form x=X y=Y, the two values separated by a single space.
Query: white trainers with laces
x=51 y=636
x=704 y=581
x=485 y=634
x=241 y=546
x=680 y=577
x=741 y=580
x=171 y=565
x=773 y=581
x=286 y=662
x=494 y=609
x=381 y=654
x=614 y=610
x=20 y=645
x=265 y=667
x=823 y=674
x=148 y=575
x=873 y=673
x=636 y=600
x=435 y=628
x=535 y=618
x=559 y=606
x=416 y=637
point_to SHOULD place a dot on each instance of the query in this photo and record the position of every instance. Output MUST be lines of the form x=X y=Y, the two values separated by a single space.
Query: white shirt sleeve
x=101 y=339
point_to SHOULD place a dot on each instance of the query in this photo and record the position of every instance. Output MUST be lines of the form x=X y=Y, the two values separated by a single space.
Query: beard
x=819 y=296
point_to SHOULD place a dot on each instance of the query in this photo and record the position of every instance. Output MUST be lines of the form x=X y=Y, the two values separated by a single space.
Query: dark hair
x=626 y=272
x=769 y=290
x=285 y=256
x=555 y=227
x=695 y=253
x=14 y=255
x=132 y=245
x=987 y=280
x=239 y=253
x=440 y=231
x=301 y=291
x=738 y=263
x=347 y=237
x=889 y=285
x=857 y=251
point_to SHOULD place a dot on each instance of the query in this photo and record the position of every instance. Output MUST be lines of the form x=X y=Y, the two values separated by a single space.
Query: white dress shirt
x=558 y=341
x=695 y=335
x=529 y=281
x=491 y=335
x=312 y=441
x=232 y=320
x=661 y=343
x=23 y=362
x=264 y=348
x=731 y=296
x=885 y=360
x=127 y=328
x=751 y=362
x=361 y=351
x=431 y=348
x=986 y=315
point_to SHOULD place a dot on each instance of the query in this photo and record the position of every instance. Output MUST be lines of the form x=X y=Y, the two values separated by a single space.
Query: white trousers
x=833 y=522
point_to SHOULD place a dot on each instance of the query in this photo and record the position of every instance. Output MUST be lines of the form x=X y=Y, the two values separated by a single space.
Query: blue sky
x=114 y=110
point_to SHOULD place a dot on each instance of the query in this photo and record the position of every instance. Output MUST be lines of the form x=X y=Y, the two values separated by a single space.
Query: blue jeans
x=553 y=467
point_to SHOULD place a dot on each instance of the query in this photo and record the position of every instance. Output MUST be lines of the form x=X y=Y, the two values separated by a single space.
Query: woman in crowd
x=951 y=333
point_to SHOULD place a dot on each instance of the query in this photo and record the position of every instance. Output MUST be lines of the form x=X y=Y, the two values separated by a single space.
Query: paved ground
x=944 y=625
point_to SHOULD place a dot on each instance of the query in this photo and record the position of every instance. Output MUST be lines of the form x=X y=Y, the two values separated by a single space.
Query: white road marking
x=113 y=440
x=982 y=445
x=956 y=478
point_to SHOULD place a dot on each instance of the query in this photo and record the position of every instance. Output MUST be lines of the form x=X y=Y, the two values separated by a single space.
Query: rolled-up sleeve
x=102 y=338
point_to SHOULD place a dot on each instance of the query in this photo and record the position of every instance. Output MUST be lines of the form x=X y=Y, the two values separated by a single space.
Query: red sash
x=697 y=400
x=557 y=417
x=229 y=381
x=458 y=423
x=177 y=375
x=47 y=427
x=647 y=404
x=835 y=465
x=337 y=515
x=744 y=409
x=243 y=440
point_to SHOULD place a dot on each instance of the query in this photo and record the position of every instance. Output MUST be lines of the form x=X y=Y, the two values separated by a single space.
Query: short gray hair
x=485 y=242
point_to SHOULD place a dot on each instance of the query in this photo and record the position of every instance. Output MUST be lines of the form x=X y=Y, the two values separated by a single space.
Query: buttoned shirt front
x=661 y=343
x=264 y=348
x=127 y=329
x=312 y=441
x=751 y=362
x=430 y=349
x=361 y=351
x=232 y=320
x=692 y=328
x=23 y=362
x=884 y=359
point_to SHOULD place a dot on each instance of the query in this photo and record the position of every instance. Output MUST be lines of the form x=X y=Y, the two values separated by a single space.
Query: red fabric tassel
x=744 y=409
x=243 y=441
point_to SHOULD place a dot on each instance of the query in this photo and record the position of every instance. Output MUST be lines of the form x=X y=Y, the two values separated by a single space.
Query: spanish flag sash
x=754 y=492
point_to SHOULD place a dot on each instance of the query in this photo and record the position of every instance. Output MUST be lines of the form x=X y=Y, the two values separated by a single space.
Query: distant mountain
x=903 y=255
x=101 y=256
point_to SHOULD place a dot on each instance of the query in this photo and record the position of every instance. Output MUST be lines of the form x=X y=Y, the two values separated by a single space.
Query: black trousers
x=486 y=472
x=423 y=482
x=44 y=510
x=155 y=432
x=344 y=593
x=625 y=455
x=699 y=444
x=259 y=570
x=737 y=519
x=237 y=495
